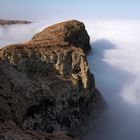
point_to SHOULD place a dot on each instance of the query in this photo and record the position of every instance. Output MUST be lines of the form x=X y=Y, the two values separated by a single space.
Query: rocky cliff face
x=46 y=83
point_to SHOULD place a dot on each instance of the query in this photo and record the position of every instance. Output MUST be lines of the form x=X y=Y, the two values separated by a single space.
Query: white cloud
x=19 y=33
x=125 y=54
x=115 y=61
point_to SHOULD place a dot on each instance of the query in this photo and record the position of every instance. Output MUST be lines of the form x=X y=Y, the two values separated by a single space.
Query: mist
x=14 y=34
x=115 y=62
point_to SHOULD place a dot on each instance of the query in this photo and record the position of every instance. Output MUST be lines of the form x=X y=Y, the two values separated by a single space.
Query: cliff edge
x=46 y=84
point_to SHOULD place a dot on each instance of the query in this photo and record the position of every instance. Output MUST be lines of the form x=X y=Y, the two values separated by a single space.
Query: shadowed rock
x=10 y=131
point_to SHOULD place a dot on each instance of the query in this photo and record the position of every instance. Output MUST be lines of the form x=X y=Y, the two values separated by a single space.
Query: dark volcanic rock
x=46 y=83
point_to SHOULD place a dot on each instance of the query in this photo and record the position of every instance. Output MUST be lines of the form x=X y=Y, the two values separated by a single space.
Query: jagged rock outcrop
x=46 y=83
x=67 y=33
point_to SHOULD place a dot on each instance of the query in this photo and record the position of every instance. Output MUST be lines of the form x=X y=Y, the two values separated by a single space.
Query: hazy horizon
x=36 y=10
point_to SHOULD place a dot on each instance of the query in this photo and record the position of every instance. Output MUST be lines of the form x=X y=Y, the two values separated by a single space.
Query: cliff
x=46 y=83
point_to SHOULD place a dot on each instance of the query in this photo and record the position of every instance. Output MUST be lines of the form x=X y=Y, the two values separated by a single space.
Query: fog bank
x=12 y=34
x=115 y=62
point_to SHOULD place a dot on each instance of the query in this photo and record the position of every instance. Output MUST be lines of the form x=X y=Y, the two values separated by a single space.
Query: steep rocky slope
x=46 y=83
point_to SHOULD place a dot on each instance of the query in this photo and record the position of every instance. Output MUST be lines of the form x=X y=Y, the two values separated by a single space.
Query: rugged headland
x=11 y=22
x=46 y=88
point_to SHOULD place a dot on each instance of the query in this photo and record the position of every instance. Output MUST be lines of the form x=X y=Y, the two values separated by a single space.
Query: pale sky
x=69 y=9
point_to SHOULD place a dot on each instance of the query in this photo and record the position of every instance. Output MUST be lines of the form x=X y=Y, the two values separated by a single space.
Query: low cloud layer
x=118 y=43
x=115 y=62
x=19 y=33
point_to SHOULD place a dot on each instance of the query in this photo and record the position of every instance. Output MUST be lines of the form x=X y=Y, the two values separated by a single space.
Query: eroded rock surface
x=46 y=83
x=67 y=33
x=10 y=131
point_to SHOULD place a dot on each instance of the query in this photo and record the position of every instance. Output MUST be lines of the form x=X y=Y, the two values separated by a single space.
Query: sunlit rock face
x=69 y=32
x=46 y=83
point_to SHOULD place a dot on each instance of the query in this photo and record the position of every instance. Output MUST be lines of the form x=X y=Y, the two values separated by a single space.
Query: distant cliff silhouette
x=10 y=22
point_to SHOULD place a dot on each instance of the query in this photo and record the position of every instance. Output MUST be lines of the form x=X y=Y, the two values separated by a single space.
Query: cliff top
x=59 y=36
x=70 y=32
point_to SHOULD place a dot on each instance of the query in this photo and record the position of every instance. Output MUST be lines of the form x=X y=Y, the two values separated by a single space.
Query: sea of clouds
x=115 y=62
